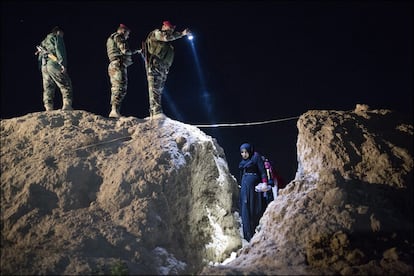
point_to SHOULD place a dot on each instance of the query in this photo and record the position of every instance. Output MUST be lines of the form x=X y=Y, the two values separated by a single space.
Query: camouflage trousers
x=53 y=78
x=118 y=76
x=156 y=75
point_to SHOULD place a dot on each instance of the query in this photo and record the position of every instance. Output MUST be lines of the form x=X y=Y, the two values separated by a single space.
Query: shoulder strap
x=112 y=36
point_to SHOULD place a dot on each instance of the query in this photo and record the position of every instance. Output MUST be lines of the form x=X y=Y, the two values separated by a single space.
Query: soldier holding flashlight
x=159 y=55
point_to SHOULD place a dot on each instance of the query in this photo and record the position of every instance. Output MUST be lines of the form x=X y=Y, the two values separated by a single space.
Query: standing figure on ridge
x=53 y=64
x=120 y=57
x=252 y=172
x=159 y=56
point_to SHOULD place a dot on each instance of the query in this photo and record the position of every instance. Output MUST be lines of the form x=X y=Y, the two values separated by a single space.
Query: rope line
x=201 y=126
x=248 y=124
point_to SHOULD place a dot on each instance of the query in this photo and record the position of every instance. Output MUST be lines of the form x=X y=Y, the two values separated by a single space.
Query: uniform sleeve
x=60 y=50
x=164 y=36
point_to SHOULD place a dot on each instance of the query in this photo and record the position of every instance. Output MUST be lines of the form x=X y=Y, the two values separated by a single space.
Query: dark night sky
x=257 y=61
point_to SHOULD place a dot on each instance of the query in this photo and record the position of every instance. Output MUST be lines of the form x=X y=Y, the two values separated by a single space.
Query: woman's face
x=244 y=154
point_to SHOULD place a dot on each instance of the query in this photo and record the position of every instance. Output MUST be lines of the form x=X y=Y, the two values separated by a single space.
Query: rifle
x=144 y=54
x=43 y=51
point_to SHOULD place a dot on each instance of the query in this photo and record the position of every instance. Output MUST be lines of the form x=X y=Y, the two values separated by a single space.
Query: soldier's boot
x=115 y=111
x=67 y=104
x=48 y=107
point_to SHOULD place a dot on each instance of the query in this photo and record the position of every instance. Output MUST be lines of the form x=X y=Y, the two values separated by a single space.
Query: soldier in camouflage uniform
x=159 y=56
x=53 y=64
x=120 y=57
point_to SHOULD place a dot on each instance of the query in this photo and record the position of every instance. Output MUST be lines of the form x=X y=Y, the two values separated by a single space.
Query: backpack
x=272 y=175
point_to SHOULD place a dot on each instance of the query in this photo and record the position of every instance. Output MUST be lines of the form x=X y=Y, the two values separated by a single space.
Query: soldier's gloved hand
x=186 y=32
x=137 y=51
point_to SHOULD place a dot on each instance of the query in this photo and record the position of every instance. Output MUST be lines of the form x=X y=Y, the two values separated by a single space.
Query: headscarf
x=248 y=148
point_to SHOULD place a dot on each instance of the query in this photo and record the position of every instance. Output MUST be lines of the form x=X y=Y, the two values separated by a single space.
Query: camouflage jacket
x=158 y=45
x=117 y=48
x=55 y=45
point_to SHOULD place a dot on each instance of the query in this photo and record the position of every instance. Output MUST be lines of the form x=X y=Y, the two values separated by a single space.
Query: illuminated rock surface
x=349 y=209
x=84 y=194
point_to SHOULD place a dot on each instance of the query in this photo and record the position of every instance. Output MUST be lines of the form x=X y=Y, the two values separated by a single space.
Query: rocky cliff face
x=349 y=209
x=83 y=194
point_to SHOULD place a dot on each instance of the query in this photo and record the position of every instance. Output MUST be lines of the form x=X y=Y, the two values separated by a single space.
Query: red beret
x=122 y=26
x=168 y=24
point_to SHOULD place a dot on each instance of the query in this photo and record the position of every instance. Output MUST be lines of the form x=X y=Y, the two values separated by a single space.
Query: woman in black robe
x=252 y=172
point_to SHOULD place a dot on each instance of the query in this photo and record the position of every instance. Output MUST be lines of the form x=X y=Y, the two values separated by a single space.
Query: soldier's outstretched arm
x=163 y=36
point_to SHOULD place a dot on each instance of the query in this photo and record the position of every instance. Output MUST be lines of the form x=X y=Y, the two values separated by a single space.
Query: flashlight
x=190 y=37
